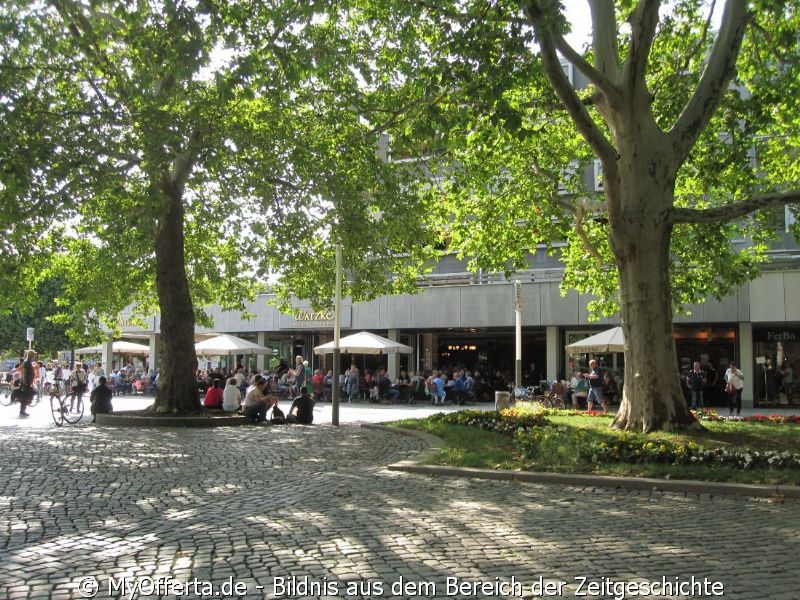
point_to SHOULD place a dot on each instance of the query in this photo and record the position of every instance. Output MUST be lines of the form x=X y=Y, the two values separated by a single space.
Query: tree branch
x=563 y=87
x=644 y=21
x=83 y=32
x=604 y=38
x=703 y=35
x=395 y=117
x=714 y=81
x=608 y=62
x=730 y=212
x=580 y=213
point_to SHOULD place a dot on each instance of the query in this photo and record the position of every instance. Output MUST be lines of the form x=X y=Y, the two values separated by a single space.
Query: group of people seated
x=408 y=387
x=255 y=401
x=133 y=380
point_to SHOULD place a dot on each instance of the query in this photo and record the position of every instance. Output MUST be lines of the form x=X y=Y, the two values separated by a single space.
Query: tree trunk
x=652 y=397
x=177 y=385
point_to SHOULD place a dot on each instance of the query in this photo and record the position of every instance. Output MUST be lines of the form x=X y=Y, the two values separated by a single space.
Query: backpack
x=278 y=417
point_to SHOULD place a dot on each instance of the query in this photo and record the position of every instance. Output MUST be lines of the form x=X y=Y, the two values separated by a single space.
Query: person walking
x=696 y=381
x=299 y=374
x=734 y=379
x=27 y=381
x=78 y=380
x=352 y=382
x=596 y=386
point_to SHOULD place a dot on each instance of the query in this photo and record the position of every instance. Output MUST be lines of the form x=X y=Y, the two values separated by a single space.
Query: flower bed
x=705 y=414
x=631 y=449
x=535 y=437
x=506 y=422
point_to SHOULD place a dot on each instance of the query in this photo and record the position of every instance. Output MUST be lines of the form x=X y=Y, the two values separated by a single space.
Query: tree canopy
x=513 y=150
x=690 y=116
x=172 y=154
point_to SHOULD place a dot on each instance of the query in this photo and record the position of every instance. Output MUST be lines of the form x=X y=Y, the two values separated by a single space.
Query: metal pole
x=337 y=313
x=518 y=331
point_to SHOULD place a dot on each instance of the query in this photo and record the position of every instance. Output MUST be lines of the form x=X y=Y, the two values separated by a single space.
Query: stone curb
x=628 y=483
x=141 y=420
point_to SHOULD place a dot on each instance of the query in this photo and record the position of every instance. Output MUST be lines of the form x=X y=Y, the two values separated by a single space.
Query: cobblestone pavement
x=313 y=512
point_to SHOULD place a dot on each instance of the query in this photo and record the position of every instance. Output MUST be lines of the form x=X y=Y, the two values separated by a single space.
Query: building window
x=789 y=217
x=567 y=175
x=777 y=361
x=598 y=175
x=568 y=70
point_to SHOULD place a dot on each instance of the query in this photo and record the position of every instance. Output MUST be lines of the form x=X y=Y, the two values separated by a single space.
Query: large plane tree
x=693 y=117
x=171 y=154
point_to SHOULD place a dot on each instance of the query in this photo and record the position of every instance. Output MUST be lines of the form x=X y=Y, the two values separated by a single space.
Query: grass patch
x=466 y=446
x=531 y=439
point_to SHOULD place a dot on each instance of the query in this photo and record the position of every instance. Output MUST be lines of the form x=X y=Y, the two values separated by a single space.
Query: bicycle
x=63 y=407
x=10 y=394
x=554 y=397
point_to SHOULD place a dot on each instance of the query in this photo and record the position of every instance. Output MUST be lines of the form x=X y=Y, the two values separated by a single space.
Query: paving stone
x=252 y=504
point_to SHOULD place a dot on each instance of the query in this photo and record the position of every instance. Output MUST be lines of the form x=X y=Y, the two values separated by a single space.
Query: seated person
x=125 y=384
x=327 y=386
x=231 y=396
x=318 y=383
x=610 y=388
x=255 y=401
x=384 y=385
x=241 y=379
x=100 y=398
x=302 y=410
x=286 y=382
x=469 y=387
x=578 y=389
x=457 y=388
x=417 y=387
x=213 y=397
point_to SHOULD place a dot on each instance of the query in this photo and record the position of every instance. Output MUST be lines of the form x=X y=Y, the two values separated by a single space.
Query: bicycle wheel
x=5 y=396
x=73 y=412
x=58 y=410
x=35 y=398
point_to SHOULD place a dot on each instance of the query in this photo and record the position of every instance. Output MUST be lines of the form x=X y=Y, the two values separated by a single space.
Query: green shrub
x=499 y=422
x=548 y=442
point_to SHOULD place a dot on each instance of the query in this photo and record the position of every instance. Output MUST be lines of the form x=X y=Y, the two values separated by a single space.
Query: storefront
x=776 y=353
x=495 y=350
x=714 y=346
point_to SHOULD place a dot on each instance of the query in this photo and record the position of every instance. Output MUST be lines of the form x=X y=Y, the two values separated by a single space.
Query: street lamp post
x=337 y=324
x=518 y=333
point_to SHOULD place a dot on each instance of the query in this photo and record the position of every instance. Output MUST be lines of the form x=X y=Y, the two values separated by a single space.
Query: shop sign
x=315 y=316
x=314 y=319
x=777 y=335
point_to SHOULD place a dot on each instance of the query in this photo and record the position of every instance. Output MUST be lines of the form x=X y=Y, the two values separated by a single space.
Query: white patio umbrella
x=119 y=347
x=365 y=342
x=225 y=344
x=611 y=340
